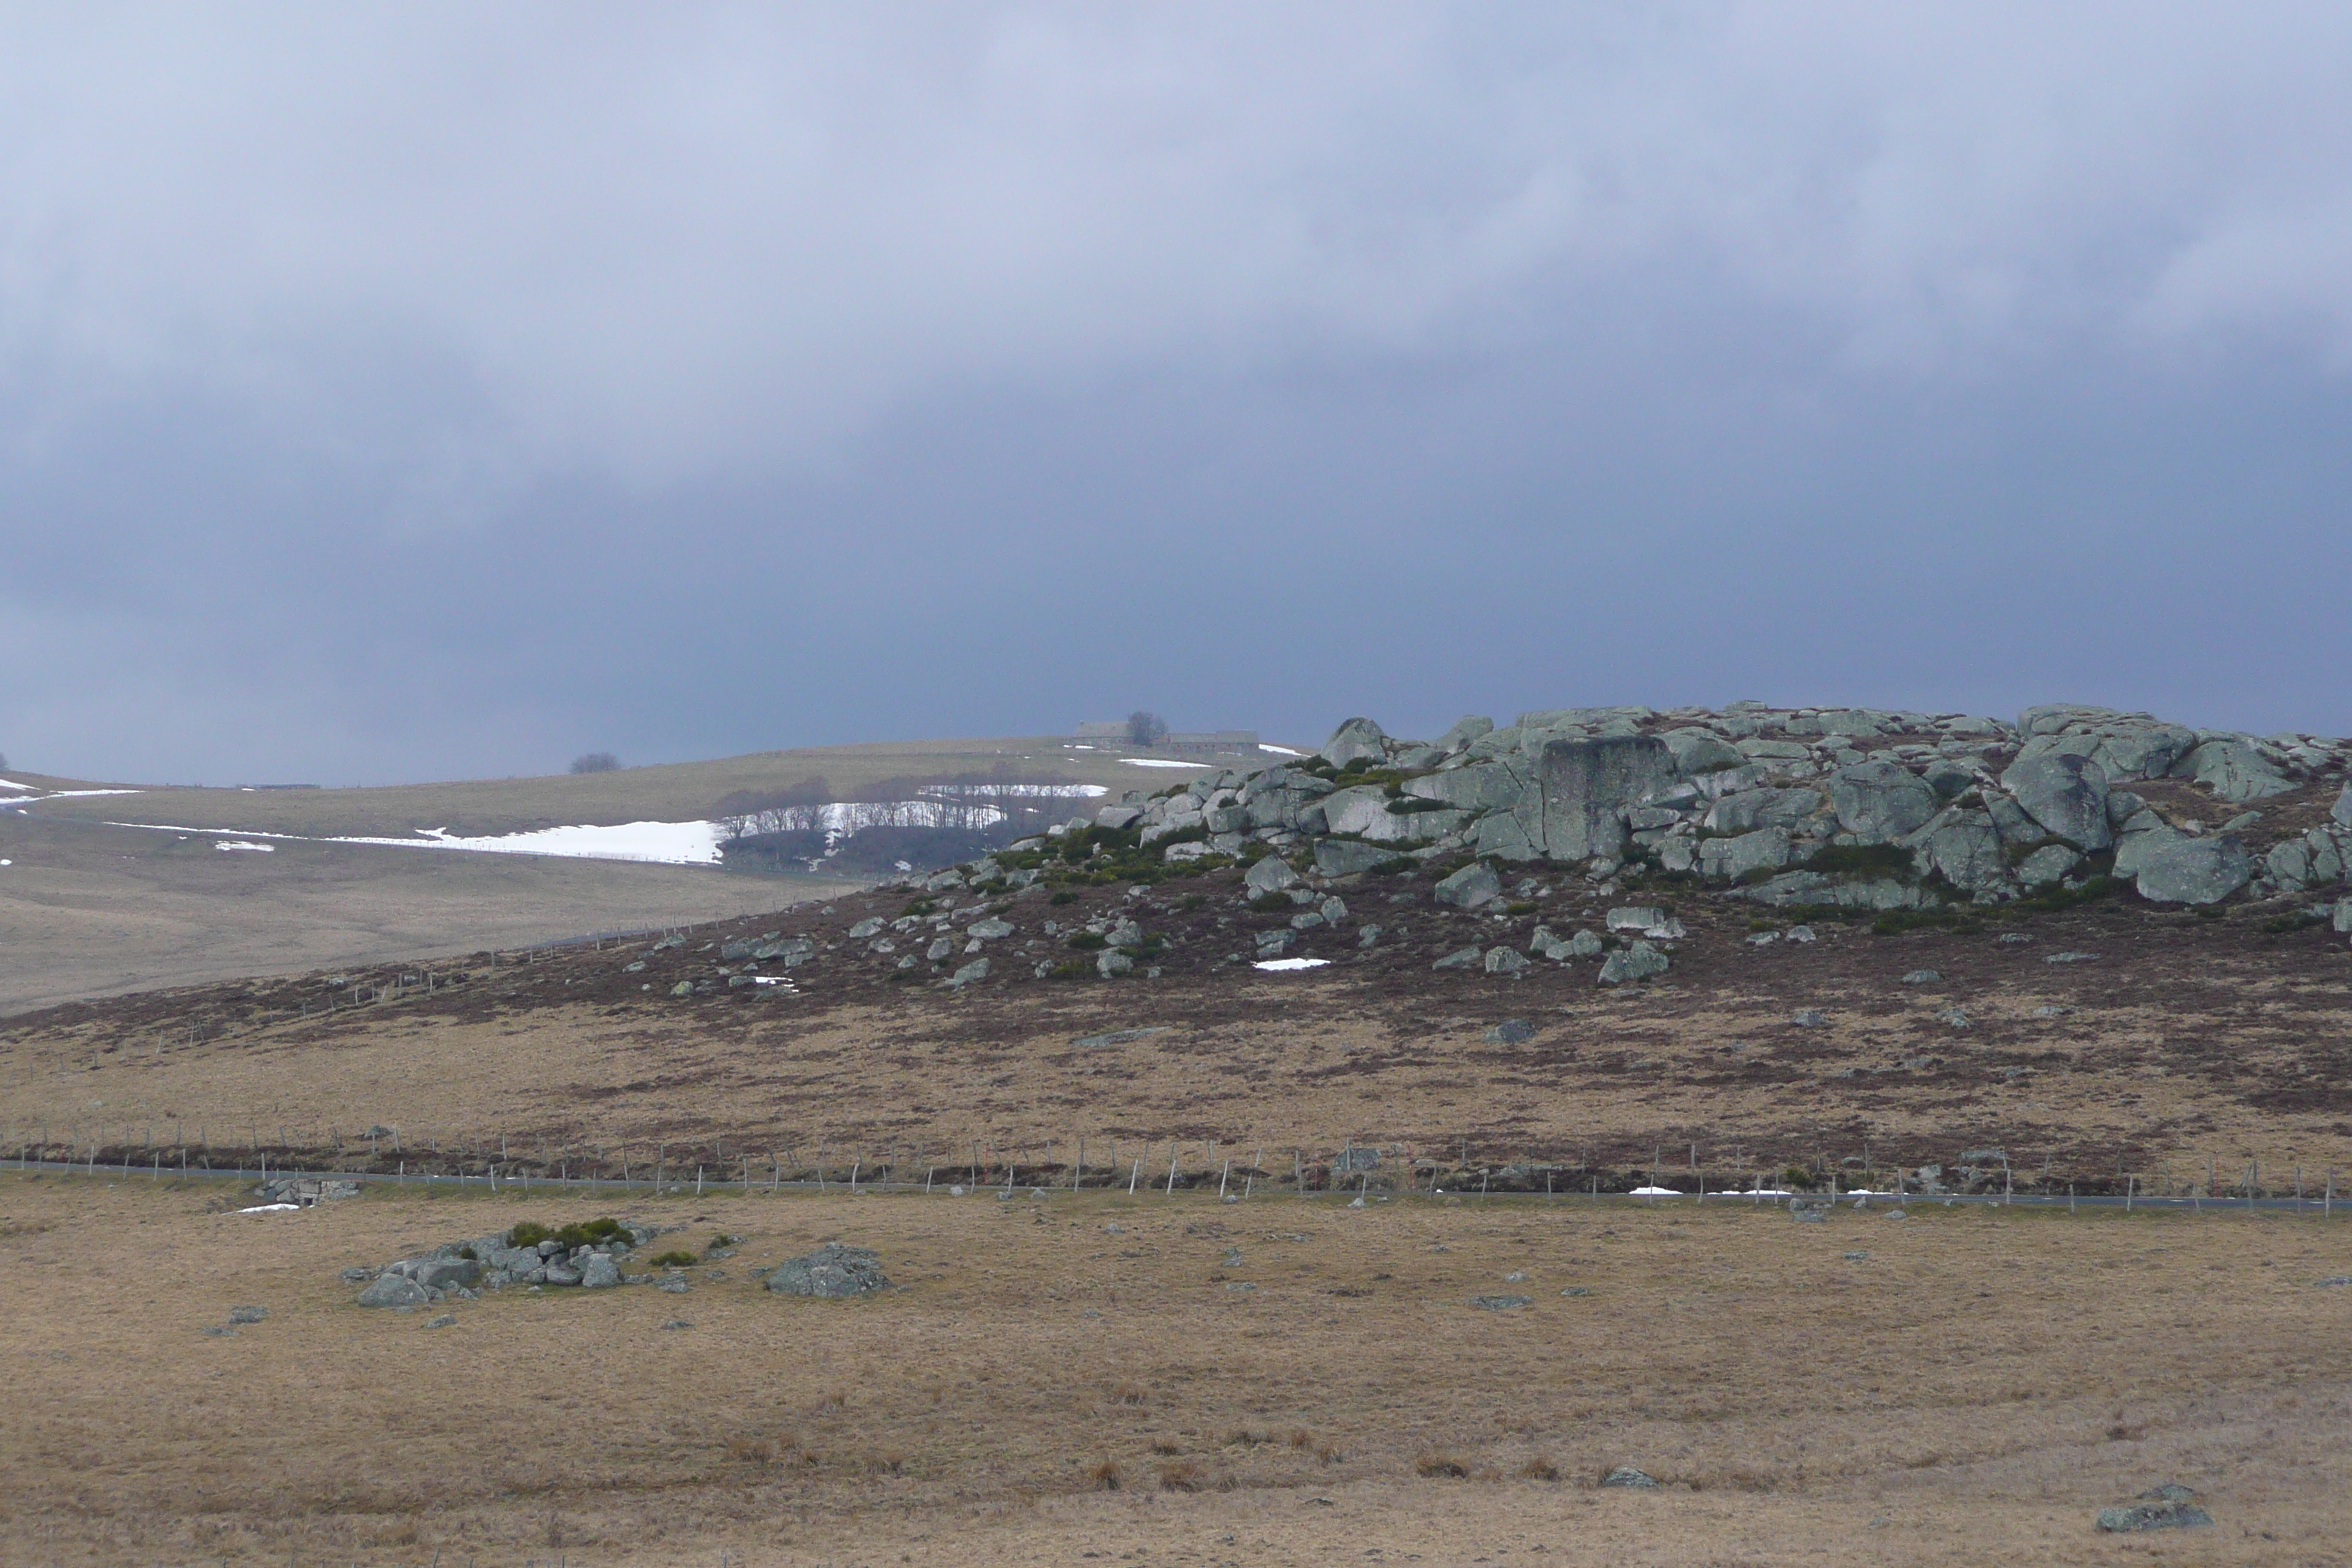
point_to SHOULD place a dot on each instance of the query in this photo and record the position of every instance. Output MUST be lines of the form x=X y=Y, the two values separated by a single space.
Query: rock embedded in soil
x=833 y=1270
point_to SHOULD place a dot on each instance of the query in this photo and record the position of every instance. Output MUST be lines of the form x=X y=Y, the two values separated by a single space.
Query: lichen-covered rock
x=395 y=1290
x=1881 y=803
x=831 y=1270
x=1639 y=962
x=1470 y=888
x=1586 y=787
x=2234 y=771
x=2175 y=867
x=1354 y=738
x=2066 y=795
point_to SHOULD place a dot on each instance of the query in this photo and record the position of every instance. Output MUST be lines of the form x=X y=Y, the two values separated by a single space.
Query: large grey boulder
x=1697 y=751
x=1344 y=856
x=2181 y=869
x=599 y=1272
x=1881 y=803
x=1639 y=962
x=1500 y=783
x=395 y=1290
x=2233 y=770
x=1354 y=738
x=1464 y=729
x=2049 y=864
x=1358 y=810
x=831 y=1270
x=1587 y=786
x=2342 y=811
x=1964 y=848
x=1271 y=875
x=1119 y=816
x=1731 y=858
x=2066 y=795
x=1755 y=808
x=1470 y=888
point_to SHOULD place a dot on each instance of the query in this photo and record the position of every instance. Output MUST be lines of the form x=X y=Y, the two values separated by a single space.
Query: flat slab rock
x=831 y=1270
x=2135 y=1517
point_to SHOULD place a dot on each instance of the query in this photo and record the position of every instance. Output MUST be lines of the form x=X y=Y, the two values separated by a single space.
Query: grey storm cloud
x=390 y=391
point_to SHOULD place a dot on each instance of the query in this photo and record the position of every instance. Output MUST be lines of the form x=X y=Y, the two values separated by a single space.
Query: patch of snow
x=771 y=979
x=1049 y=791
x=1657 y=1192
x=667 y=843
x=7 y=862
x=1753 y=1192
x=664 y=843
x=12 y=783
x=1282 y=964
x=241 y=844
x=271 y=1208
x=1162 y=763
x=1280 y=751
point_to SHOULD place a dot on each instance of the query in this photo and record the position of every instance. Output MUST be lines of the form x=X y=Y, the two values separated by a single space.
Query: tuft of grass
x=1540 y=1468
x=1179 y=1475
x=1166 y=1446
x=722 y=1239
x=1130 y=1393
x=1439 y=1466
x=1299 y=1438
x=676 y=1259
x=1107 y=1475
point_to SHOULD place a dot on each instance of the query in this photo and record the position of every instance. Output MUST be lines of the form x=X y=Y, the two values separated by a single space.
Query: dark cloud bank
x=394 y=393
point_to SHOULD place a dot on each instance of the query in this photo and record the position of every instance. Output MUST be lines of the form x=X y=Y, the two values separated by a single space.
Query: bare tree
x=595 y=762
x=1145 y=728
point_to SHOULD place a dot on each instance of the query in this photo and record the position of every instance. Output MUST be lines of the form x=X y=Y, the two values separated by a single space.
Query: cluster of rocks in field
x=463 y=1269
x=1979 y=811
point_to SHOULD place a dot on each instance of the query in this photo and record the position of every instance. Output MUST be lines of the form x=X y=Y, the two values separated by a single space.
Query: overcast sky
x=411 y=391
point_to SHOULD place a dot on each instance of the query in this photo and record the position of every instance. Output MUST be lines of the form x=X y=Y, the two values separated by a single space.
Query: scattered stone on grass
x=1500 y=1304
x=831 y=1270
x=247 y=1314
x=446 y=1320
x=1627 y=1476
x=2133 y=1518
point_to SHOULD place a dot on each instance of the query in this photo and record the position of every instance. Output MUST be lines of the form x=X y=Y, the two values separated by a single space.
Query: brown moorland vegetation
x=1278 y=1382
x=2184 y=1053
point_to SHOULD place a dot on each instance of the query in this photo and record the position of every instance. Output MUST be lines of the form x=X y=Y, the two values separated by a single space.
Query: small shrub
x=1524 y=907
x=1130 y=1393
x=1540 y=1468
x=1863 y=860
x=676 y=1258
x=595 y=762
x=889 y=1464
x=1088 y=941
x=1107 y=1475
x=1064 y=897
x=752 y=1450
x=1181 y=1476
x=527 y=1233
x=1326 y=1453
x=1437 y=1466
x=469 y=1255
x=1299 y=1438
x=1166 y=1446
x=722 y=1239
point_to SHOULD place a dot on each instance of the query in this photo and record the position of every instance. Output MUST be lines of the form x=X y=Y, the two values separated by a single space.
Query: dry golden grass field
x=1172 y=1380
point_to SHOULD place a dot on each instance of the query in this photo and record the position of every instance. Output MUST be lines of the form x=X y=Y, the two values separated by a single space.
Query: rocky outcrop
x=1852 y=807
